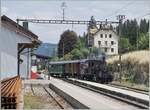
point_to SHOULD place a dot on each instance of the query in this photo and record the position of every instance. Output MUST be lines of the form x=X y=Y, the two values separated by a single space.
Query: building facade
x=103 y=37
x=106 y=40
x=15 y=46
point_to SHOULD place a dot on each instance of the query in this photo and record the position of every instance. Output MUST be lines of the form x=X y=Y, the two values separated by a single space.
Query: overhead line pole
x=120 y=18
x=63 y=6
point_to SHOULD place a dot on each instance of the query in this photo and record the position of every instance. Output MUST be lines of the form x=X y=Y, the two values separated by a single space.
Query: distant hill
x=46 y=49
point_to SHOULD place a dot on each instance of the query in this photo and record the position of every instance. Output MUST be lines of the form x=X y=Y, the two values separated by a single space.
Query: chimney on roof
x=25 y=25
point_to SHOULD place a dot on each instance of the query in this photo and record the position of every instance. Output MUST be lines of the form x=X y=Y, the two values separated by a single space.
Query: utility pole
x=120 y=18
x=63 y=50
x=137 y=35
x=63 y=6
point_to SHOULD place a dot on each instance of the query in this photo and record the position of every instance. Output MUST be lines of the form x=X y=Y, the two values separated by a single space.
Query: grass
x=141 y=56
x=32 y=102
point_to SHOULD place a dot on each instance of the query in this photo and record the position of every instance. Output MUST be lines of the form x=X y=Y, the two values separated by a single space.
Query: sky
x=75 y=10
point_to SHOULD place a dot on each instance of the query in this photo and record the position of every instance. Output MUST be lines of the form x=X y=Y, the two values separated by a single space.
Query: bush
x=132 y=71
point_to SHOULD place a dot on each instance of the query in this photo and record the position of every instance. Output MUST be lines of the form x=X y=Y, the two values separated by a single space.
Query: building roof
x=65 y=62
x=28 y=33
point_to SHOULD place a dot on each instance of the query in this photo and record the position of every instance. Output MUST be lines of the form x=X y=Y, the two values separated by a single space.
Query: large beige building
x=107 y=40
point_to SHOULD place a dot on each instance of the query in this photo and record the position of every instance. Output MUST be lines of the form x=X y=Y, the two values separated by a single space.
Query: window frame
x=105 y=35
x=110 y=35
x=112 y=42
x=106 y=43
x=112 y=50
x=101 y=35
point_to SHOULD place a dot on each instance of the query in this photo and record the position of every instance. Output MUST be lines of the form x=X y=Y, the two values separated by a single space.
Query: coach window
x=112 y=49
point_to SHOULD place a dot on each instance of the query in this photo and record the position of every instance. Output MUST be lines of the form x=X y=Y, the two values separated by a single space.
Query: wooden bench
x=10 y=92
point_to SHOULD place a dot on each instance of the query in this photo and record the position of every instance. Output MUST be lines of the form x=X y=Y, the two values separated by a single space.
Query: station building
x=16 y=43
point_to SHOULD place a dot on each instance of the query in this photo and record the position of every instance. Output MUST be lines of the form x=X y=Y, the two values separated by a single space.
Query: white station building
x=15 y=49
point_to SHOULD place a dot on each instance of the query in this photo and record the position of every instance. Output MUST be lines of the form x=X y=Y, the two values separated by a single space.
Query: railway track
x=109 y=94
x=54 y=100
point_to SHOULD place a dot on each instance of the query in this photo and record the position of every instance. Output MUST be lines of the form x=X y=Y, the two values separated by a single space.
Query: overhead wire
x=118 y=10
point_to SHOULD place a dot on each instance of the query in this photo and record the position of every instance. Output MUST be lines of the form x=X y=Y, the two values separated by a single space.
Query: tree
x=67 y=42
x=68 y=56
x=143 y=41
x=124 y=45
x=77 y=54
x=85 y=52
x=143 y=26
x=54 y=58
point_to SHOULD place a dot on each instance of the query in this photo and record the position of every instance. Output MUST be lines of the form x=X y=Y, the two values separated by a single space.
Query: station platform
x=114 y=89
x=87 y=98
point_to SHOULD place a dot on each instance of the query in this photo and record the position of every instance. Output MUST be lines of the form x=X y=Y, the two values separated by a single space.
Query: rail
x=54 y=98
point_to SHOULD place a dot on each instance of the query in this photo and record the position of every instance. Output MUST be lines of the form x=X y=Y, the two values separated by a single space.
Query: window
x=112 y=49
x=105 y=49
x=99 y=43
x=101 y=35
x=112 y=42
x=105 y=42
x=110 y=35
x=105 y=35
